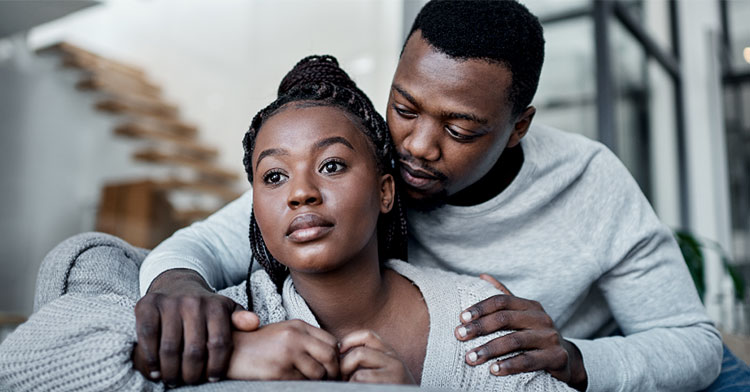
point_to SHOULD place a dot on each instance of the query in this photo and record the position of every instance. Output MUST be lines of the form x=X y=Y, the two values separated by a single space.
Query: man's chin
x=425 y=203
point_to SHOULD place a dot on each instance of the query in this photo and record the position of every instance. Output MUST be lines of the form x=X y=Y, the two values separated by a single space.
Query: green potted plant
x=692 y=248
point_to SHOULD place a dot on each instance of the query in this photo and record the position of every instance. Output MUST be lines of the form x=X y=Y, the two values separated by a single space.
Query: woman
x=328 y=229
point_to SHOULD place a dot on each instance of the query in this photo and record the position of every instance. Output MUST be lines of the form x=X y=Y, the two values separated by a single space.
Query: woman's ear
x=387 y=193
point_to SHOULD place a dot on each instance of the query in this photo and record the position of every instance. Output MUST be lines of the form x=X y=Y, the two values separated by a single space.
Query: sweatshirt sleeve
x=669 y=343
x=76 y=342
x=217 y=248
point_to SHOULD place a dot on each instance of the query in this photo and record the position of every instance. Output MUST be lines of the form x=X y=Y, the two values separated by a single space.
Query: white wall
x=220 y=61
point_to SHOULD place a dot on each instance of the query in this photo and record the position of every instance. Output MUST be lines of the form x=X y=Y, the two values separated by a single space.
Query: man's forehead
x=424 y=73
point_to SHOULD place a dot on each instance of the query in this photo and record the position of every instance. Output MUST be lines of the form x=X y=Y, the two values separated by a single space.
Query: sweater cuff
x=601 y=363
x=167 y=261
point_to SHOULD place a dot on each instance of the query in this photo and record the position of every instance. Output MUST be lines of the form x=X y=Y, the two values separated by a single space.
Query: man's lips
x=308 y=227
x=416 y=178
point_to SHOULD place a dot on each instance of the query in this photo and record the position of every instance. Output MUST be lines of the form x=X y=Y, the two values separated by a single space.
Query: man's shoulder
x=569 y=155
x=546 y=142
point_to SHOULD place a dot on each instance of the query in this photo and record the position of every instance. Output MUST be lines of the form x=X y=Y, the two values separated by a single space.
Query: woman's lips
x=417 y=179
x=308 y=227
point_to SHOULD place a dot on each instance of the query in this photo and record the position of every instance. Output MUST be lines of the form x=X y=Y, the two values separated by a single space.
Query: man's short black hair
x=498 y=31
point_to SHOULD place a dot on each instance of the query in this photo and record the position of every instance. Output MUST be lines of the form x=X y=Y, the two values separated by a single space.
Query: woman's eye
x=273 y=178
x=331 y=167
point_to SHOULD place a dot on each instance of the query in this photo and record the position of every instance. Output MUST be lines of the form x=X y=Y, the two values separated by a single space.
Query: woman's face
x=317 y=193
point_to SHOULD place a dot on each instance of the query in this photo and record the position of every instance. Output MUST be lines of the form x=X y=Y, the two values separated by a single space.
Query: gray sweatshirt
x=572 y=231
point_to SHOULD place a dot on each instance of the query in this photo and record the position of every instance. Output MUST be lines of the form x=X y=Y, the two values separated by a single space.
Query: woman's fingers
x=365 y=338
x=325 y=354
x=362 y=357
x=320 y=334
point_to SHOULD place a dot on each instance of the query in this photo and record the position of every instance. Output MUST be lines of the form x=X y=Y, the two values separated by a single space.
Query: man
x=553 y=216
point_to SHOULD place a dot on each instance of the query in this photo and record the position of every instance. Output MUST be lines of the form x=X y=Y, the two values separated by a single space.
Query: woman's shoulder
x=467 y=289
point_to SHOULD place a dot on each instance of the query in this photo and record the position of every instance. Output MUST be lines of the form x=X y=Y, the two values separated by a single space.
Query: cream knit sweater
x=446 y=294
x=82 y=334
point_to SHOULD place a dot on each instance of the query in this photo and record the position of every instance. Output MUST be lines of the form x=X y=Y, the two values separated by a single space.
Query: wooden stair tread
x=187 y=144
x=171 y=125
x=123 y=104
x=76 y=56
x=202 y=167
x=112 y=83
x=223 y=191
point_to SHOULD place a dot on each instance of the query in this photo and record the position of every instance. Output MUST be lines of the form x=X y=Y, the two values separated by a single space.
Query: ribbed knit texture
x=82 y=334
x=446 y=294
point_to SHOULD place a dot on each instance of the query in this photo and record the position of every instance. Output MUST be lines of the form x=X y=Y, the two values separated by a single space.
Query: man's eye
x=404 y=113
x=458 y=136
x=273 y=178
x=331 y=167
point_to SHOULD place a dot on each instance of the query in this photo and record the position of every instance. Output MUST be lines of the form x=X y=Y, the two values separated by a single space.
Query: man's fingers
x=219 y=342
x=503 y=320
x=365 y=338
x=530 y=361
x=194 y=352
x=497 y=303
x=146 y=352
x=170 y=345
x=491 y=279
x=513 y=342
x=244 y=320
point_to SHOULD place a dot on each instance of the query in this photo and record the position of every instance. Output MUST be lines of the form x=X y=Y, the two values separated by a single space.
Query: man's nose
x=303 y=191
x=423 y=141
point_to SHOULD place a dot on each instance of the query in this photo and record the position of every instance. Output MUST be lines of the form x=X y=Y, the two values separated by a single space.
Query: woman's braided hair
x=318 y=81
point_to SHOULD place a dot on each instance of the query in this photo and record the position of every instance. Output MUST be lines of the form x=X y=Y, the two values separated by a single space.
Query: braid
x=313 y=69
x=318 y=81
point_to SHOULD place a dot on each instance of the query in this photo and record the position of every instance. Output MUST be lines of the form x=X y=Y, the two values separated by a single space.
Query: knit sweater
x=82 y=333
x=446 y=294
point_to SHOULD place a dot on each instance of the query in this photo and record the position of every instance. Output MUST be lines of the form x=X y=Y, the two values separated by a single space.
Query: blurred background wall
x=665 y=84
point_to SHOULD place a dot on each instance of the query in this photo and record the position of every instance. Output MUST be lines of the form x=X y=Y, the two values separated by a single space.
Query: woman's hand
x=365 y=358
x=185 y=330
x=288 y=350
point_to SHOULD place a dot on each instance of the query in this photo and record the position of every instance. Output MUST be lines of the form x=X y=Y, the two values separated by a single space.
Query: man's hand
x=185 y=330
x=288 y=350
x=541 y=346
x=365 y=358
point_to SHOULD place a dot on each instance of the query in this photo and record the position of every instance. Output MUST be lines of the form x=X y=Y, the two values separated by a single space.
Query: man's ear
x=521 y=126
x=387 y=193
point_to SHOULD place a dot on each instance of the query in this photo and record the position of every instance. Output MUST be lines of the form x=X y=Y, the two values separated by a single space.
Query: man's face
x=450 y=120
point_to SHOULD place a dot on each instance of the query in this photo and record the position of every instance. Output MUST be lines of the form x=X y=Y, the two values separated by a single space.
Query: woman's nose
x=303 y=192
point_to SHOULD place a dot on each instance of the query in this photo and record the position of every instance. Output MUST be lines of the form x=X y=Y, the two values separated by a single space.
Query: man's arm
x=669 y=343
x=184 y=329
x=217 y=248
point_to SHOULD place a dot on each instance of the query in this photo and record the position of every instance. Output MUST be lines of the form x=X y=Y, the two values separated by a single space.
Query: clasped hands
x=185 y=336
